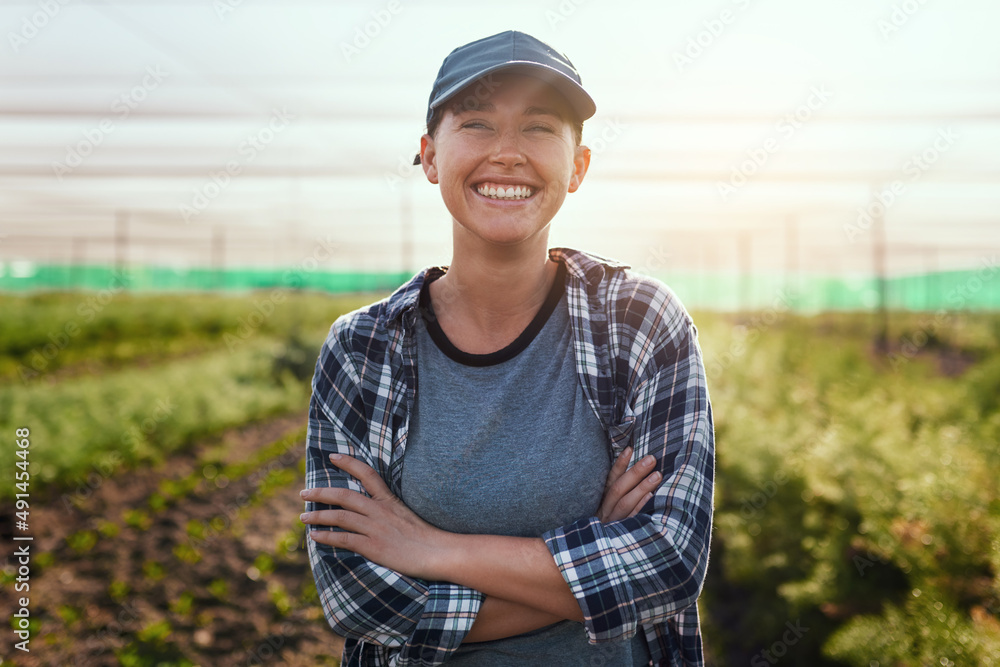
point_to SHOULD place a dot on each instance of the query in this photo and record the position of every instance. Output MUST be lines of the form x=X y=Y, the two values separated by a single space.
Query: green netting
x=977 y=289
x=159 y=278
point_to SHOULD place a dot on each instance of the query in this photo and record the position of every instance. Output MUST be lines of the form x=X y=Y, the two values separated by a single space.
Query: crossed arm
x=371 y=556
x=523 y=585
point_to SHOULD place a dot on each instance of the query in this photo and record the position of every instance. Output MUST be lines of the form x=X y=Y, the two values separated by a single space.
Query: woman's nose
x=507 y=149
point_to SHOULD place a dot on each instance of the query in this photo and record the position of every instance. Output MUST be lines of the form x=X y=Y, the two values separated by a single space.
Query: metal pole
x=121 y=239
x=930 y=278
x=879 y=261
x=791 y=258
x=218 y=254
x=78 y=244
x=406 y=224
x=743 y=240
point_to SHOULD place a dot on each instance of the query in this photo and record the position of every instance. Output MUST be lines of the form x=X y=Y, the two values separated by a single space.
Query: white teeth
x=510 y=192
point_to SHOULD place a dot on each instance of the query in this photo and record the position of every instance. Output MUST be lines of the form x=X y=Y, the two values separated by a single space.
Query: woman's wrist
x=452 y=556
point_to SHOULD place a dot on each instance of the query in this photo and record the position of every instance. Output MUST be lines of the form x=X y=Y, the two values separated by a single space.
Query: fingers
x=338 y=539
x=364 y=473
x=612 y=487
x=348 y=499
x=619 y=467
x=636 y=497
x=334 y=495
x=636 y=473
x=630 y=490
x=642 y=502
x=631 y=478
x=349 y=521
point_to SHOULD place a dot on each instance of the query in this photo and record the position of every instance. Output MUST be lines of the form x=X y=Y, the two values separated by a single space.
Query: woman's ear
x=581 y=162
x=427 y=156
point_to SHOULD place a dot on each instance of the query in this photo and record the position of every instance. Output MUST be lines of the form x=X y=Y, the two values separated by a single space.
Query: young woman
x=510 y=460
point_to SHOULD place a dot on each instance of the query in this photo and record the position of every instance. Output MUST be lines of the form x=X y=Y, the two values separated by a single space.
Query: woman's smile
x=505 y=192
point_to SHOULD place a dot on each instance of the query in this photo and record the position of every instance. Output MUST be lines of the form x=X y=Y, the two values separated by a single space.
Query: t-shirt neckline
x=510 y=351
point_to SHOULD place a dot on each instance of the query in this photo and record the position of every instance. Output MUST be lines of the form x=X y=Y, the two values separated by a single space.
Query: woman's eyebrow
x=464 y=107
x=542 y=111
x=489 y=107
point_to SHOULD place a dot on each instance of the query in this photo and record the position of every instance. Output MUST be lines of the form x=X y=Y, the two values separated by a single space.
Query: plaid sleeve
x=362 y=600
x=651 y=567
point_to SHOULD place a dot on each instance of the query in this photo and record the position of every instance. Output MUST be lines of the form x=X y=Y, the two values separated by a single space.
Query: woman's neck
x=491 y=293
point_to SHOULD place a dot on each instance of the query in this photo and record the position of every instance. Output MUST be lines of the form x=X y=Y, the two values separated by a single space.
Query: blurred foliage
x=857 y=503
x=132 y=379
x=46 y=334
x=858 y=494
x=296 y=356
x=123 y=418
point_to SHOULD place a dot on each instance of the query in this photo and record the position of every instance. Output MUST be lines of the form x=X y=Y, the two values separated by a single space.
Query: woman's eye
x=540 y=128
x=475 y=125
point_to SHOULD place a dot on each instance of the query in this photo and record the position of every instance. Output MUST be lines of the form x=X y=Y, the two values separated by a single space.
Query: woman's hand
x=627 y=490
x=381 y=528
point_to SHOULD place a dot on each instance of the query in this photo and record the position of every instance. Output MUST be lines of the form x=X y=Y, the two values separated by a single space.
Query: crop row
x=857 y=503
x=43 y=334
x=98 y=425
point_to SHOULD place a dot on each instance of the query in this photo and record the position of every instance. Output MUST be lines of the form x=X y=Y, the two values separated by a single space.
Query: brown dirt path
x=156 y=590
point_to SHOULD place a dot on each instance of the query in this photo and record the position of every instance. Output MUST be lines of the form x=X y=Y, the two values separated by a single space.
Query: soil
x=130 y=597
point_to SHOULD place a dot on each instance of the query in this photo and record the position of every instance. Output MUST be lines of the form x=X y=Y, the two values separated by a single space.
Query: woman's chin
x=505 y=235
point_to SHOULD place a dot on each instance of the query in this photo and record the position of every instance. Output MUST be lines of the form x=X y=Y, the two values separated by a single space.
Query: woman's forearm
x=519 y=569
x=381 y=528
x=499 y=618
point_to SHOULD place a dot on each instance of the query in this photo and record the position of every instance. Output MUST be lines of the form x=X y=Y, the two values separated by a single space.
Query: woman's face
x=516 y=139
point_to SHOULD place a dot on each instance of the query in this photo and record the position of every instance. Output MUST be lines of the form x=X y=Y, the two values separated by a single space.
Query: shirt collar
x=587 y=267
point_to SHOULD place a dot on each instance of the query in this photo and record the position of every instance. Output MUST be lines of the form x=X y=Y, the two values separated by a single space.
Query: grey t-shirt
x=506 y=444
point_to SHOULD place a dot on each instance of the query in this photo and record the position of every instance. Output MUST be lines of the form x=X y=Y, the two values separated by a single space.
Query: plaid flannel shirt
x=640 y=368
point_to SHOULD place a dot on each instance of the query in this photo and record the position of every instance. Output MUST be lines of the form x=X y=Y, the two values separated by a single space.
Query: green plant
x=153 y=570
x=183 y=605
x=219 y=588
x=118 y=590
x=187 y=553
x=280 y=598
x=82 y=541
x=108 y=528
x=138 y=519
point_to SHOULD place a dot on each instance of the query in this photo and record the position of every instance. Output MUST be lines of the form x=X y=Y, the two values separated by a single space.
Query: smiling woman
x=510 y=460
x=521 y=140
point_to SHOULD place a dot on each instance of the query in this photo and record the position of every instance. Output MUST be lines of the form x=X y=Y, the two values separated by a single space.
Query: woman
x=464 y=503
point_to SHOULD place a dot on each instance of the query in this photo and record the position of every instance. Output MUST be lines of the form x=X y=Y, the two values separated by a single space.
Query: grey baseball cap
x=510 y=51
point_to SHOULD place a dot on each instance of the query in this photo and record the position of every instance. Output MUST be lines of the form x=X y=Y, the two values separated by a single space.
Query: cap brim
x=575 y=95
